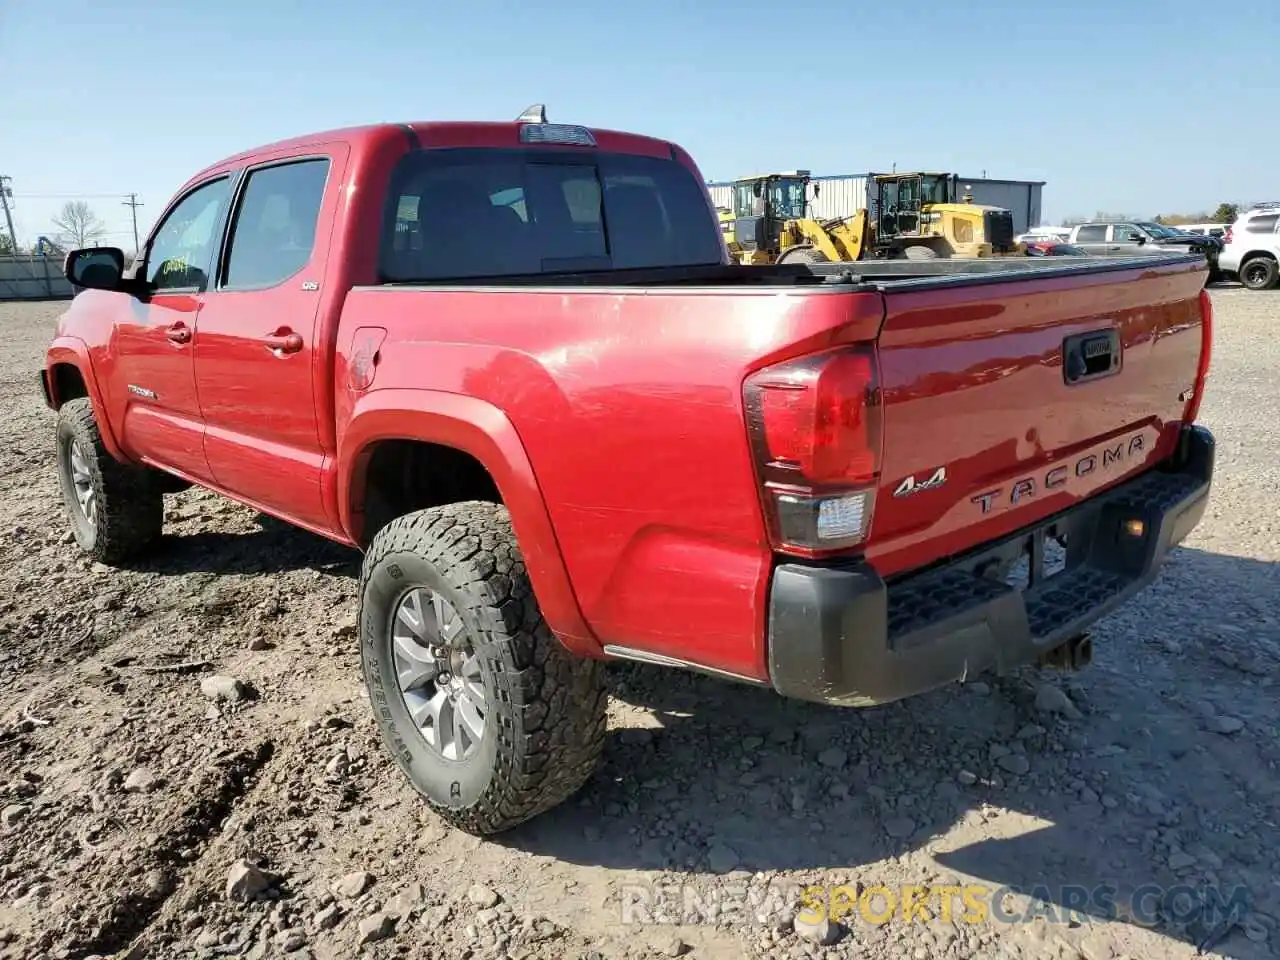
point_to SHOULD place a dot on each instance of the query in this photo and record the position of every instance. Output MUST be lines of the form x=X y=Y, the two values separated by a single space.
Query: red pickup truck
x=511 y=363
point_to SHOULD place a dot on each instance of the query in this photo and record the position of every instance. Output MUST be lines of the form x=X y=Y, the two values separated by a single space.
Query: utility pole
x=6 y=192
x=133 y=204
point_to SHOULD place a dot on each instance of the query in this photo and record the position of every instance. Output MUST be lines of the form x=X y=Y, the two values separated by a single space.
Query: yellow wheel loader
x=919 y=219
x=763 y=206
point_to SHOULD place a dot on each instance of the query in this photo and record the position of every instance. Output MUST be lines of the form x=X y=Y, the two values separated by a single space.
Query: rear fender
x=483 y=431
x=72 y=351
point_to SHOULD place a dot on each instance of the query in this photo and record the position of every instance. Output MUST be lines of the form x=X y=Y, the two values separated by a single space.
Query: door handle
x=179 y=333
x=282 y=343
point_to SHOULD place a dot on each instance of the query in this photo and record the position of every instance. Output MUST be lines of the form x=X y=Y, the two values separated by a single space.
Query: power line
x=7 y=196
x=65 y=196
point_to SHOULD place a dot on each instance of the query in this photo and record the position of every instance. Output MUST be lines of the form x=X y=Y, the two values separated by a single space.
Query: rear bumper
x=842 y=635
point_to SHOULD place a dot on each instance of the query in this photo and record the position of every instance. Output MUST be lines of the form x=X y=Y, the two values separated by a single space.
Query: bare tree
x=78 y=225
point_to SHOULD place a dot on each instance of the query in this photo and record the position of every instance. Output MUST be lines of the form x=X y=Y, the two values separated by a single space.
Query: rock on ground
x=245 y=881
x=816 y=930
x=353 y=884
x=376 y=927
x=217 y=687
x=1051 y=699
x=482 y=896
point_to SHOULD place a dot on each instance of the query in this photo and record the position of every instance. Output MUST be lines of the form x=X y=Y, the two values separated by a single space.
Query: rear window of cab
x=466 y=214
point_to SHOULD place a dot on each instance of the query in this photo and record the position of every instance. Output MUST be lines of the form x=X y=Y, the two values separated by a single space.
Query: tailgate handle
x=1087 y=356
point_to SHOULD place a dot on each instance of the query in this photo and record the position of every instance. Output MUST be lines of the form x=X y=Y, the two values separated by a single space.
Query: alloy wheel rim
x=438 y=673
x=82 y=483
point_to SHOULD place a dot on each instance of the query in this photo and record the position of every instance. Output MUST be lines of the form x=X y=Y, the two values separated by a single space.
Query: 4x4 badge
x=911 y=485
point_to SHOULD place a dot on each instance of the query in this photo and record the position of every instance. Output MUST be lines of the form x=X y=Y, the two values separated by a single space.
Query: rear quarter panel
x=629 y=405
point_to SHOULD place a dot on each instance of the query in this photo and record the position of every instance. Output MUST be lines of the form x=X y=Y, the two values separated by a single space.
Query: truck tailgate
x=1008 y=401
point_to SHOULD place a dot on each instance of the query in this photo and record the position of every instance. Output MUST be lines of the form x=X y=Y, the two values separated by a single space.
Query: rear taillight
x=815 y=426
x=1206 y=354
x=1226 y=235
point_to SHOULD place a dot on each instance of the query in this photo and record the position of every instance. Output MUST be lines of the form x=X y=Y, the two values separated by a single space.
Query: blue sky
x=1134 y=106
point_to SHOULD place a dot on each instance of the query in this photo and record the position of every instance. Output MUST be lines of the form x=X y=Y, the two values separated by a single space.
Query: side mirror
x=1141 y=239
x=97 y=268
x=817 y=189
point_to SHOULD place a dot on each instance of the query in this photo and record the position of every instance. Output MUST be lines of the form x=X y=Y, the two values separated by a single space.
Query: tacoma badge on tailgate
x=1024 y=488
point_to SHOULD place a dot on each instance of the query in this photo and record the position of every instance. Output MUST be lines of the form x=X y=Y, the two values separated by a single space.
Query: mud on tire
x=544 y=709
x=116 y=509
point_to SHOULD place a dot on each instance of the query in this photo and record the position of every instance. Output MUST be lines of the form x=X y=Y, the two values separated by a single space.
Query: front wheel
x=917 y=252
x=1259 y=273
x=115 y=509
x=803 y=253
x=487 y=714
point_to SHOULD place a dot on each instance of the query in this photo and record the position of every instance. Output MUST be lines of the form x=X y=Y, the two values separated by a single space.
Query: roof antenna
x=535 y=113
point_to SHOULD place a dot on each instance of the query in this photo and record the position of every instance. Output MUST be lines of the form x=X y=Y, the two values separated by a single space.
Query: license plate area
x=1043 y=554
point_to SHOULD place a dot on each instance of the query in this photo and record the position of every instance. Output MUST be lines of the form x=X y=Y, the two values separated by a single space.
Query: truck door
x=1091 y=238
x=153 y=377
x=258 y=363
x=1126 y=238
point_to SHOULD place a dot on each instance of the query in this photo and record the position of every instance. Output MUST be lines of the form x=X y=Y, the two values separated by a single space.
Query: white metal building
x=844 y=195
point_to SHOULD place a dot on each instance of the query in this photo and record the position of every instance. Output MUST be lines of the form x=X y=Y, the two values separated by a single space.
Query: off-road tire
x=129 y=508
x=802 y=253
x=1259 y=273
x=546 y=707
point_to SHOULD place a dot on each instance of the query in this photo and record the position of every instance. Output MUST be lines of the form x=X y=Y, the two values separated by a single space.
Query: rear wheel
x=1259 y=273
x=116 y=509
x=488 y=715
x=803 y=253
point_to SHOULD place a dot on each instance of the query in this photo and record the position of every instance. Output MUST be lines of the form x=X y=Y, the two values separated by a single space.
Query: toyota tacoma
x=511 y=363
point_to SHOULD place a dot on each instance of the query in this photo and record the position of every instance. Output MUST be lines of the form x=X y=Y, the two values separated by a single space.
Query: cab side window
x=180 y=251
x=1263 y=224
x=1092 y=233
x=274 y=229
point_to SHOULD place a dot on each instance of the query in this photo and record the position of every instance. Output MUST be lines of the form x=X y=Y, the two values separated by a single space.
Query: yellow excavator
x=920 y=218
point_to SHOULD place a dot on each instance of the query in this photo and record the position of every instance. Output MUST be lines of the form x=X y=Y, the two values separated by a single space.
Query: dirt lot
x=128 y=796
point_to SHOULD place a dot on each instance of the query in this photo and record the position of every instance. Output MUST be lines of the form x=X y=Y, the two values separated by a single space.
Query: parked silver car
x=1132 y=237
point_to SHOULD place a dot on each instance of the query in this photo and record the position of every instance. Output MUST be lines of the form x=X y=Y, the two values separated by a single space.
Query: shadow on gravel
x=275 y=548
x=1141 y=795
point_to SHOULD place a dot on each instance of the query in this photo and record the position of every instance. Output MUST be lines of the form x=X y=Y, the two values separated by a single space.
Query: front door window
x=182 y=248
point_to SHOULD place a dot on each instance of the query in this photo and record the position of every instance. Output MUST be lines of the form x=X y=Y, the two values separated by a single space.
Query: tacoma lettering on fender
x=516 y=370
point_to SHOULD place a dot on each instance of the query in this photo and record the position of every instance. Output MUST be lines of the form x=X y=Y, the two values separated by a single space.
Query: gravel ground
x=144 y=816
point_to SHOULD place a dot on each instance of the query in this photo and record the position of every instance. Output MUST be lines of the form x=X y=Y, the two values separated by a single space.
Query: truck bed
x=857 y=273
x=628 y=397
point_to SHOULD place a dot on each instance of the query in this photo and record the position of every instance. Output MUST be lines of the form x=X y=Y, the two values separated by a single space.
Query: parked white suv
x=1252 y=250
